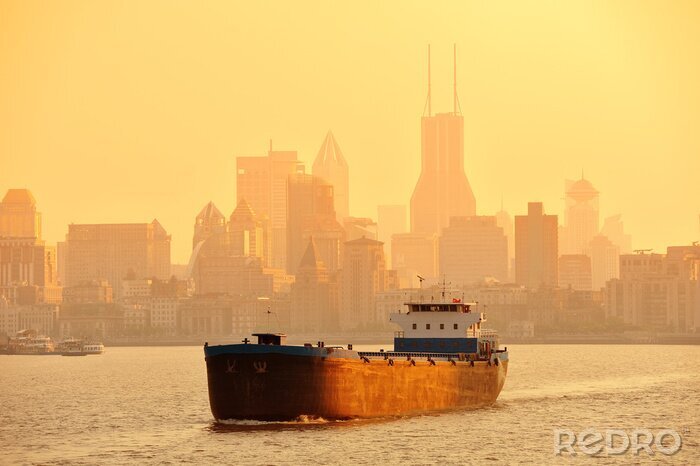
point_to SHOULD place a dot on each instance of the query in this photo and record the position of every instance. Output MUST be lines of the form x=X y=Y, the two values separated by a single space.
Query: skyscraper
x=262 y=181
x=209 y=221
x=581 y=217
x=505 y=221
x=18 y=215
x=332 y=167
x=473 y=248
x=613 y=229
x=314 y=295
x=111 y=251
x=25 y=259
x=605 y=261
x=311 y=213
x=575 y=271
x=443 y=190
x=414 y=254
x=536 y=248
x=246 y=232
x=363 y=276
x=391 y=219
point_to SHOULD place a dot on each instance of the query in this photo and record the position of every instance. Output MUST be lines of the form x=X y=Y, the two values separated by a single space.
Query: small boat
x=74 y=347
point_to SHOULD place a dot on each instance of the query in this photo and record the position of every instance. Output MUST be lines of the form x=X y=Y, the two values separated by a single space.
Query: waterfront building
x=262 y=182
x=38 y=317
x=91 y=291
x=442 y=190
x=473 y=248
x=331 y=166
x=97 y=321
x=657 y=291
x=536 y=248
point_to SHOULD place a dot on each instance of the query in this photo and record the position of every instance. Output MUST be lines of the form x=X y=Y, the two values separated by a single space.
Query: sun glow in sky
x=117 y=111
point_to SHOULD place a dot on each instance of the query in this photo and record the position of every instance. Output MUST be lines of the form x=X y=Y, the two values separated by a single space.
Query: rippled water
x=150 y=405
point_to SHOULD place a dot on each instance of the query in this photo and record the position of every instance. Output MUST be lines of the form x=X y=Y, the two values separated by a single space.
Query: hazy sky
x=122 y=111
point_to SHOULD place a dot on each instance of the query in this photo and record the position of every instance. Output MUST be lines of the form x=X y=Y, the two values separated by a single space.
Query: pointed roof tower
x=209 y=213
x=310 y=258
x=332 y=167
x=243 y=211
x=330 y=153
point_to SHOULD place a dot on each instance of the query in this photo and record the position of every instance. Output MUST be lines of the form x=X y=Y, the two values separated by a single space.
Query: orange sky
x=125 y=111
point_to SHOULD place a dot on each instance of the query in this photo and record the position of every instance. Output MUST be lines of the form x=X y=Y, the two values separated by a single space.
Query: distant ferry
x=75 y=347
x=442 y=360
x=28 y=342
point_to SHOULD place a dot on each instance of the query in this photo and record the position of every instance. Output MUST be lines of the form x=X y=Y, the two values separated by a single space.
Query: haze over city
x=116 y=114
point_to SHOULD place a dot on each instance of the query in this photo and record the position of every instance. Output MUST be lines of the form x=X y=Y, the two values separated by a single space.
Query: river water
x=149 y=406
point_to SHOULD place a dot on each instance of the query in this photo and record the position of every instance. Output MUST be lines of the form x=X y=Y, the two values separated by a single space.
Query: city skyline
x=603 y=107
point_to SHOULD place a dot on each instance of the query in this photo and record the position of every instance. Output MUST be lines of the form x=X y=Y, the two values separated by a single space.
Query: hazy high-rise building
x=605 y=261
x=311 y=213
x=472 y=249
x=262 y=181
x=314 y=295
x=613 y=229
x=246 y=232
x=414 y=254
x=332 y=167
x=18 y=215
x=209 y=221
x=505 y=221
x=581 y=216
x=536 y=248
x=26 y=262
x=363 y=276
x=661 y=291
x=443 y=190
x=391 y=219
x=575 y=271
x=111 y=251
x=359 y=227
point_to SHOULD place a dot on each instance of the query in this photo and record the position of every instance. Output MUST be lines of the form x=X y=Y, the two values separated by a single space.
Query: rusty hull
x=281 y=387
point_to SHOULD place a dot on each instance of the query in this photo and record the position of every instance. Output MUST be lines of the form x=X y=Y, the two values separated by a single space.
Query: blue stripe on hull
x=280 y=349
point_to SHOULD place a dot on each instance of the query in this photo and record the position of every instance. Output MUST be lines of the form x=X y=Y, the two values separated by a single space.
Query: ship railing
x=398 y=354
x=487 y=332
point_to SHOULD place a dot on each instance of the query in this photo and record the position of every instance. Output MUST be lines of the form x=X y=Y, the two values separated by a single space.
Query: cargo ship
x=442 y=360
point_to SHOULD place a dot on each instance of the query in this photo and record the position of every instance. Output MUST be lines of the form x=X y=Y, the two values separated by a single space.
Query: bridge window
x=442 y=326
x=455 y=326
x=415 y=326
x=427 y=326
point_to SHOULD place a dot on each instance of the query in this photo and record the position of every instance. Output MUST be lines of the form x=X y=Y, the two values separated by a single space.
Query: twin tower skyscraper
x=443 y=190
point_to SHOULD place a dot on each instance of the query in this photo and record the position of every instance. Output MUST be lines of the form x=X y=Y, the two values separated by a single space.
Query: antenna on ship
x=444 y=286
